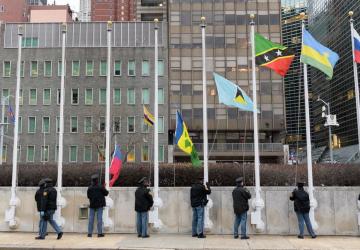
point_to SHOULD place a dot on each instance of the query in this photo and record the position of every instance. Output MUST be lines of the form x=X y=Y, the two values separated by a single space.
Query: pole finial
x=252 y=16
x=156 y=20
x=252 y=19
x=63 y=27
x=20 y=29
x=203 y=19
x=351 y=13
x=109 y=25
x=302 y=15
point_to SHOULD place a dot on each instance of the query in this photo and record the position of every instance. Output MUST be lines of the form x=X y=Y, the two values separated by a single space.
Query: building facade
x=132 y=78
x=329 y=24
x=37 y=2
x=85 y=11
x=228 y=53
x=148 y=10
x=13 y=11
x=113 y=10
x=50 y=14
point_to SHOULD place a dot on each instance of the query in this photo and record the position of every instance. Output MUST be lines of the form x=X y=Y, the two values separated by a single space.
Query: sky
x=74 y=4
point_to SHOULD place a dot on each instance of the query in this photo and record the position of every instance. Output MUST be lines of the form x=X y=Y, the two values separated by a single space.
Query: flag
x=115 y=166
x=272 y=55
x=315 y=54
x=356 y=46
x=232 y=95
x=148 y=117
x=183 y=140
x=11 y=114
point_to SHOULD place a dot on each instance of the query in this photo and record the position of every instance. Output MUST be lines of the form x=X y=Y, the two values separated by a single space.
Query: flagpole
x=258 y=203
x=313 y=202
x=109 y=202
x=14 y=200
x=356 y=79
x=2 y=124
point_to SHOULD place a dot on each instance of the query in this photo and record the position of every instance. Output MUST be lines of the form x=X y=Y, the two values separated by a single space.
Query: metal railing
x=239 y=147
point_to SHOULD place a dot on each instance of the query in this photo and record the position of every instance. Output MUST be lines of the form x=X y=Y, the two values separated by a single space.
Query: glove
x=42 y=213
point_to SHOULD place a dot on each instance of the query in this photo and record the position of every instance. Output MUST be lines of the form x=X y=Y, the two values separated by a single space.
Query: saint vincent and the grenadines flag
x=183 y=140
x=272 y=55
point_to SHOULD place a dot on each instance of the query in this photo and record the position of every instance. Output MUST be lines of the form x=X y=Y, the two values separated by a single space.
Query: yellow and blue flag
x=317 y=55
x=232 y=95
x=183 y=140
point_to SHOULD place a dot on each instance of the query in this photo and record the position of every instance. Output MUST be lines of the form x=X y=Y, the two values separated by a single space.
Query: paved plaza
x=176 y=241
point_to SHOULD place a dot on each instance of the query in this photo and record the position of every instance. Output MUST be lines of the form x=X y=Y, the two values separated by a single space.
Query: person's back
x=96 y=196
x=301 y=200
x=143 y=202
x=143 y=199
x=198 y=194
x=241 y=197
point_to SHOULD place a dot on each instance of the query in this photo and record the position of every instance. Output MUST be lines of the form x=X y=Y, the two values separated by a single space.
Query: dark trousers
x=142 y=223
x=99 y=213
x=42 y=226
x=198 y=220
x=303 y=218
x=240 y=220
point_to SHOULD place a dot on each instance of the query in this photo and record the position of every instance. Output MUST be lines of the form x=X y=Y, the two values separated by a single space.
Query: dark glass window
x=230 y=19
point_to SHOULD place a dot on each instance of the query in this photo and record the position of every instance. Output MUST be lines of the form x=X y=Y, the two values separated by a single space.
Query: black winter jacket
x=143 y=199
x=96 y=195
x=51 y=197
x=301 y=200
x=198 y=194
x=240 y=200
x=40 y=199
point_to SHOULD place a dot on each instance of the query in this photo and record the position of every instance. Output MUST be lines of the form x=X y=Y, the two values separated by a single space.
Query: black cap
x=48 y=180
x=94 y=177
x=240 y=179
x=141 y=181
x=300 y=184
x=42 y=182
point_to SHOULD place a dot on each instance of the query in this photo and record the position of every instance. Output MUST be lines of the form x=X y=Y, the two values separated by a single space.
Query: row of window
x=88 y=96
x=90 y=125
x=89 y=68
x=87 y=153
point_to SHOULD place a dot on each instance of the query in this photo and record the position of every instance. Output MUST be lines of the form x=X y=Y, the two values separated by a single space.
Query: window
x=5 y=96
x=47 y=68
x=7 y=69
x=144 y=126
x=131 y=124
x=31 y=124
x=19 y=153
x=20 y=125
x=30 y=154
x=161 y=124
x=58 y=96
x=22 y=67
x=131 y=68
x=161 y=153
x=88 y=96
x=21 y=99
x=6 y=121
x=32 y=97
x=161 y=97
x=46 y=96
x=145 y=153
x=117 y=68
x=57 y=124
x=131 y=96
x=56 y=152
x=74 y=124
x=117 y=96
x=73 y=154
x=102 y=124
x=30 y=42
x=145 y=98
x=75 y=68
x=59 y=68
x=45 y=153
x=103 y=68
x=74 y=96
x=46 y=124
x=131 y=154
x=88 y=125
x=4 y=153
x=117 y=124
x=102 y=96
x=101 y=153
x=34 y=69
x=161 y=67
x=145 y=70
x=89 y=68
x=87 y=153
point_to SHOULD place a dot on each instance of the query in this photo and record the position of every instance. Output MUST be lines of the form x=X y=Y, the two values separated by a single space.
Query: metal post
x=2 y=130
x=313 y=203
x=258 y=203
x=356 y=79
x=330 y=137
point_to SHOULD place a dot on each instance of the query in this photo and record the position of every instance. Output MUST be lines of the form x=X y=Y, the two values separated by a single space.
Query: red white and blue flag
x=11 y=114
x=115 y=166
x=356 y=47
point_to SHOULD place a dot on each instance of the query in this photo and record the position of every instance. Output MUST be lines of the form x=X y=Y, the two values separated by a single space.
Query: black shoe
x=139 y=235
x=195 y=235
x=201 y=236
x=101 y=235
x=146 y=236
x=89 y=235
x=236 y=236
x=39 y=238
x=60 y=235
x=245 y=237
x=314 y=236
x=300 y=237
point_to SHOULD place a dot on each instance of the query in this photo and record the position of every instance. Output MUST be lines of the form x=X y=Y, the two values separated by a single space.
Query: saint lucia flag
x=183 y=140
x=232 y=95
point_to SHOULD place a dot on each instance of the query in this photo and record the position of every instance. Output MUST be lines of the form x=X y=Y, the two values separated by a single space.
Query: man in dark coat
x=198 y=197
x=50 y=194
x=96 y=195
x=143 y=202
x=302 y=208
x=41 y=207
x=241 y=198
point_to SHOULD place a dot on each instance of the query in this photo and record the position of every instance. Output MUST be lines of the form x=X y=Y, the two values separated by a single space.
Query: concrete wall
x=336 y=212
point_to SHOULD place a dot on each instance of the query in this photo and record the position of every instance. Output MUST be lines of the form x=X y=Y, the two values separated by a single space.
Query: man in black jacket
x=198 y=197
x=96 y=195
x=302 y=208
x=241 y=198
x=41 y=207
x=143 y=202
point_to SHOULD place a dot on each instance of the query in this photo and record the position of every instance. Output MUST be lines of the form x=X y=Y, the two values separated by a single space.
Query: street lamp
x=330 y=121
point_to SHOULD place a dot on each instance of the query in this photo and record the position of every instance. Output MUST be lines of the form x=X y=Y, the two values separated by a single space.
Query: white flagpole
x=258 y=203
x=108 y=223
x=356 y=79
x=313 y=202
x=14 y=200
x=60 y=200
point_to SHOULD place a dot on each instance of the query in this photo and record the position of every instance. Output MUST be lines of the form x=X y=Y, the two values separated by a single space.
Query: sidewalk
x=178 y=242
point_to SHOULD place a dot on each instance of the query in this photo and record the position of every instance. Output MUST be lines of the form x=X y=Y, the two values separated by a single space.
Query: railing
x=239 y=147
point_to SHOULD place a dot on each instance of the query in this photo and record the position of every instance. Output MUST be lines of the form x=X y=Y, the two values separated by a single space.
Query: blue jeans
x=57 y=229
x=42 y=226
x=240 y=219
x=198 y=220
x=304 y=218
x=99 y=215
x=142 y=223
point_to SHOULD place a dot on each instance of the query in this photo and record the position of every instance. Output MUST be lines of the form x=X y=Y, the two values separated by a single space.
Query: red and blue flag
x=116 y=165
x=356 y=47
